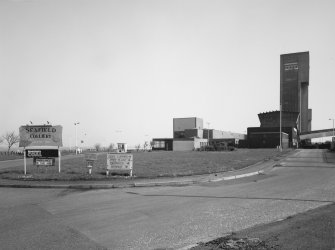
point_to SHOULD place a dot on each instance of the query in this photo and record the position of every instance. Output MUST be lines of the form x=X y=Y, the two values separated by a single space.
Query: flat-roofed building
x=182 y=124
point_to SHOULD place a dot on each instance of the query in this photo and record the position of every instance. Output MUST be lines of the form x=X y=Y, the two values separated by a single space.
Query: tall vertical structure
x=294 y=82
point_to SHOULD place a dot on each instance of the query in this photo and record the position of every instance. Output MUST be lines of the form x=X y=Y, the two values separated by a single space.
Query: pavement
x=167 y=217
x=128 y=182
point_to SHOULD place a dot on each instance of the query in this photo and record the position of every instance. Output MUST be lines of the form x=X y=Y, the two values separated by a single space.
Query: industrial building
x=294 y=83
x=293 y=118
x=295 y=115
x=189 y=134
x=269 y=137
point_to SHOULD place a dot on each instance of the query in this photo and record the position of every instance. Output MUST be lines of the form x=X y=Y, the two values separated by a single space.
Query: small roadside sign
x=44 y=162
x=30 y=153
x=90 y=159
x=120 y=162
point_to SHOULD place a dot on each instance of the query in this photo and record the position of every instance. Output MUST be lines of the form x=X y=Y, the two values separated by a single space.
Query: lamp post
x=75 y=124
x=208 y=133
x=280 y=129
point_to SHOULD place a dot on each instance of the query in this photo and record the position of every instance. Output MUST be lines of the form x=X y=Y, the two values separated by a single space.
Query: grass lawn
x=152 y=164
x=6 y=157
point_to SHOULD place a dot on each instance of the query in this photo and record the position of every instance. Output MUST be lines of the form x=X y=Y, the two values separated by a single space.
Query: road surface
x=163 y=217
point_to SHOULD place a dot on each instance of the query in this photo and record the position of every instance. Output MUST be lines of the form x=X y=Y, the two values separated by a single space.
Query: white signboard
x=120 y=162
x=43 y=162
x=40 y=135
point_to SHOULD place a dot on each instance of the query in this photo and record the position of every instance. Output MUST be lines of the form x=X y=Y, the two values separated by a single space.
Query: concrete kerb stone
x=268 y=165
x=130 y=185
x=234 y=177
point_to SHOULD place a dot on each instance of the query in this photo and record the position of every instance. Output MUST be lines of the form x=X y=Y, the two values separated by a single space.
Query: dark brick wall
x=252 y=140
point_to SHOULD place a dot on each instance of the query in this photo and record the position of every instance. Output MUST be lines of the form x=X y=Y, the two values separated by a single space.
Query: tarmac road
x=163 y=217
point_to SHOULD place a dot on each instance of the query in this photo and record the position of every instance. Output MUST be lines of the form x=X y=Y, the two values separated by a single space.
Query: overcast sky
x=124 y=69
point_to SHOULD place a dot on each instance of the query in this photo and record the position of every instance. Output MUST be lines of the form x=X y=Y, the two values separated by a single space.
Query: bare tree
x=97 y=147
x=152 y=144
x=138 y=146
x=145 y=145
x=11 y=139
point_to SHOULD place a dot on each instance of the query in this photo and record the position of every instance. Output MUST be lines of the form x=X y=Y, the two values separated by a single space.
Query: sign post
x=24 y=161
x=90 y=159
x=59 y=156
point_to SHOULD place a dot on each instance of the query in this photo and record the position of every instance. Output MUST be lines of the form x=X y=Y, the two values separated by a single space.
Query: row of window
x=291 y=67
x=159 y=144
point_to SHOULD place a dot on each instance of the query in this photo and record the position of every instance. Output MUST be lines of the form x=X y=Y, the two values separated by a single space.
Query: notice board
x=119 y=161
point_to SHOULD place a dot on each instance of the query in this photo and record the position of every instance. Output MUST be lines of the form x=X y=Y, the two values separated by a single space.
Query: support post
x=280 y=129
x=24 y=161
x=59 y=160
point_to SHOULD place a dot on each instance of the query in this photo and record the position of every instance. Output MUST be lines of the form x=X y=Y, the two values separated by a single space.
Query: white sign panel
x=119 y=161
x=43 y=162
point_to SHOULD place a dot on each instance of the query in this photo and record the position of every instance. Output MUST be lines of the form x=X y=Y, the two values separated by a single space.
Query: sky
x=124 y=69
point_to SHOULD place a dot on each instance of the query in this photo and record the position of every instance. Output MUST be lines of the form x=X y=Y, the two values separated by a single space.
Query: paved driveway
x=176 y=217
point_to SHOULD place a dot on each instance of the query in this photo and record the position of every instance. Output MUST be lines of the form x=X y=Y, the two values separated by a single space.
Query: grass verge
x=151 y=165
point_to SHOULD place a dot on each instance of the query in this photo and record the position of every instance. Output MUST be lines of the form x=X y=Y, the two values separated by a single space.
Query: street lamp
x=75 y=124
x=280 y=128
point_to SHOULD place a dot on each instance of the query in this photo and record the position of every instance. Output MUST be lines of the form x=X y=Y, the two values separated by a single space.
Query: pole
x=59 y=156
x=280 y=128
x=24 y=161
x=333 y=127
x=208 y=134
x=75 y=124
x=76 y=138
x=208 y=131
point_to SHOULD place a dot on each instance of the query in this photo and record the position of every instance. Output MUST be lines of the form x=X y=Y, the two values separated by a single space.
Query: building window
x=159 y=144
x=291 y=66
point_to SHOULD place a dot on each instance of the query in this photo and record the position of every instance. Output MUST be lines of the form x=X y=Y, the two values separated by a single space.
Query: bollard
x=89 y=169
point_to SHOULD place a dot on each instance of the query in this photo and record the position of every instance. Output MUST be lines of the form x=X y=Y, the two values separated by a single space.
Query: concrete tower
x=294 y=82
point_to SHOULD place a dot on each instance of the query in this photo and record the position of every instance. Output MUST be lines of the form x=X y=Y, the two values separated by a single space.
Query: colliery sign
x=41 y=136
